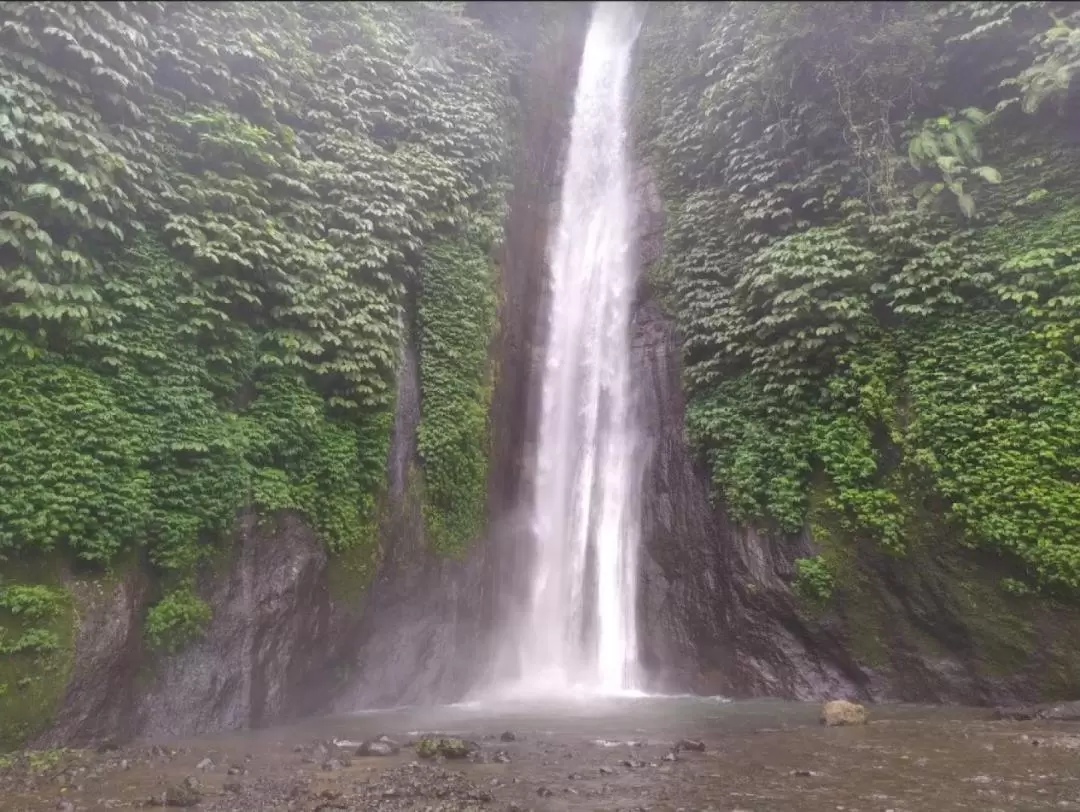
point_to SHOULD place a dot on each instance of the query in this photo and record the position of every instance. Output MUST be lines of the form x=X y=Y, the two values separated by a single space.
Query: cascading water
x=578 y=632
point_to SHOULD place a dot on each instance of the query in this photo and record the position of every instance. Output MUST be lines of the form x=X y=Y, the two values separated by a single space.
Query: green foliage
x=1040 y=273
x=996 y=422
x=843 y=219
x=813 y=580
x=947 y=145
x=757 y=446
x=31 y=604
x=176 y=619
x=295 y=156
x=456 y=325
x=69 y=454
x=307 y=460
x=36 y=649
x=803 y=298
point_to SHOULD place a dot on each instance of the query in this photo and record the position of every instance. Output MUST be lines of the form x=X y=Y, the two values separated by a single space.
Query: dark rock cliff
x=276 y=627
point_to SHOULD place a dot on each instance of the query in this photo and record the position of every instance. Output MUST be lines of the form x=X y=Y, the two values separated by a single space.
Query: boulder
x=430 y=747
x=379 y=746
x=841 y=712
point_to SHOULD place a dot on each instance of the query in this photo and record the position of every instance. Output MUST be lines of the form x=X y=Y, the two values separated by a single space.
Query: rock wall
x=274 y=631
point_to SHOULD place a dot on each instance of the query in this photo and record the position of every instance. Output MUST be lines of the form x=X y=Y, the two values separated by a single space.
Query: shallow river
x=588 y=755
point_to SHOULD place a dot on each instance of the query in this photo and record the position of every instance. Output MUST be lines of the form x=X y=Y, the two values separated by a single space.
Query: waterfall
x=578 y=629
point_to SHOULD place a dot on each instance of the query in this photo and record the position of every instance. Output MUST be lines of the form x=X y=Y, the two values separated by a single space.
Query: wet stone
x=691 y=745
x=451 y=748
x=841 y=712
x=185 y=795
x=378 y=747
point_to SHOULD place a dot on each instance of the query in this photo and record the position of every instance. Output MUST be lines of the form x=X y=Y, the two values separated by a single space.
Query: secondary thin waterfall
x=579 y=629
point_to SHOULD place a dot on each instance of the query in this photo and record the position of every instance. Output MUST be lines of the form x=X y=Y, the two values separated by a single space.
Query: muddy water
x=591 y=755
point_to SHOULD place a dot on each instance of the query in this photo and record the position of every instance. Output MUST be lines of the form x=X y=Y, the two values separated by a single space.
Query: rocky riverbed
x=679 y=755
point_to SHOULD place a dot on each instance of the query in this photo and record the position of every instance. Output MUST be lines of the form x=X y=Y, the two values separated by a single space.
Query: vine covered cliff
x=870 y=255
x=217 y=224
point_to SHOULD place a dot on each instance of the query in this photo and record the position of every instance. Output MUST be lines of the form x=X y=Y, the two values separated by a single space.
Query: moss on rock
x=37 y=648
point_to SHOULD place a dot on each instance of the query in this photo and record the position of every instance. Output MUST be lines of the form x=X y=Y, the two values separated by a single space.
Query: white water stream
x=578 y=632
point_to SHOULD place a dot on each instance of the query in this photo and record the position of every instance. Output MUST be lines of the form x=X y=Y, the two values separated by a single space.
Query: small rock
x=575 y=776
x=183 y=795
x=501 y=757
x=841 y=712
x=65 y=806
x=508 y=736
x=235 y=770
x=331 y=765
x=669 y=756
x=205 y=765
x=378 y=747
x=692 y=745
x=606 y=771
x=804 y=773
x=447 y=748
x=544 y=792
x=232 y=786
x=1062 y=712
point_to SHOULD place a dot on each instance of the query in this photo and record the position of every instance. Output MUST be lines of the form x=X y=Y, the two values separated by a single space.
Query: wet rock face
x=272 y=634
x=108 y=646
x=717 y=610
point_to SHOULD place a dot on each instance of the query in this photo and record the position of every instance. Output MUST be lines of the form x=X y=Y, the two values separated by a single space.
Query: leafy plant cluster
x=813 y=579
x=856 y=191
x=457 y=319
x=35 y=652
x=28 y=605
x=210 y=215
